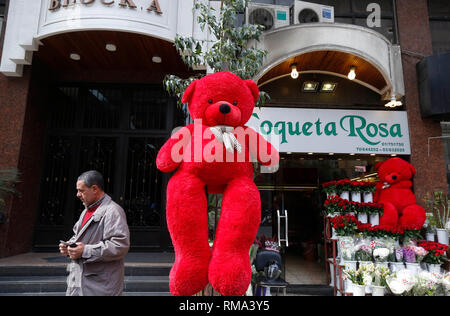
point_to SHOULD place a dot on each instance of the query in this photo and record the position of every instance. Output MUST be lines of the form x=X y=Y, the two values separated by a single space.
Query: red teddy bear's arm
x=376 y=195
x=171 y=153
x=261 y=149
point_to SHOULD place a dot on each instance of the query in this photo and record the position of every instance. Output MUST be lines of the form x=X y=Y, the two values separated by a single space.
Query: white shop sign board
x=300 y=130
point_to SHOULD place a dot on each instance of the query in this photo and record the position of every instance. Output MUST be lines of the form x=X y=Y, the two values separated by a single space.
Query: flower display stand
x=332 y=262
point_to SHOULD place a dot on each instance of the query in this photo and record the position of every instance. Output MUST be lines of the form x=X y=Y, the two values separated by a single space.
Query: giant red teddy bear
x=214 y=152
x=394 y=192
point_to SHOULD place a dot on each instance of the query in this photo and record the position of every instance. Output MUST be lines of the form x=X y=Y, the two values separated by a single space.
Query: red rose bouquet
x=436 y=252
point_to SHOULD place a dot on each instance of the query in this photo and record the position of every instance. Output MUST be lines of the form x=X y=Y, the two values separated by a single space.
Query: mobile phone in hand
x=71 y=245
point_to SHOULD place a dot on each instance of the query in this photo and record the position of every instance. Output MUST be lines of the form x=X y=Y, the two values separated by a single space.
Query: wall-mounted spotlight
x=393 y=103
x=352 y=73
x=294 y=72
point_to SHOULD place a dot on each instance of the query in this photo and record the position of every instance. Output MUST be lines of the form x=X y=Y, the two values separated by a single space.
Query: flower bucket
x=363 y=218
x=359 y=290
x=430 y=237
x=346 y=244
x=331 y=271
x=345 y=195
x=374 y=219
x=333 y=230
x=356 y=196
x=414 y=267
x=396 y=266
x=348 y=285
x=377 y=290
x=368 y=197
x=442 y=236
x=434 y=268
x=382 y=264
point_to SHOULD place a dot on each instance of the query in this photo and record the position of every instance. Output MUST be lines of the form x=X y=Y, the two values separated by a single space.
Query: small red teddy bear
x=394 y=192
x=214 y=152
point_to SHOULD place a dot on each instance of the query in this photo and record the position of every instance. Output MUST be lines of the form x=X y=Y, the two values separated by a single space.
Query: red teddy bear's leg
x=413 y=216
x=188 y=226
x=230 y=270
x=390 y=215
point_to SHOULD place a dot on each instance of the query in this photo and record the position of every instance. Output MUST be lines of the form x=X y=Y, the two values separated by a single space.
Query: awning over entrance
x=333 y=49
x=132 y=57
x=30 y=22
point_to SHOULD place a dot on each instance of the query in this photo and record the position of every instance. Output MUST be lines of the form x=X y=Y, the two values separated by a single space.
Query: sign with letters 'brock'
x=334 y=131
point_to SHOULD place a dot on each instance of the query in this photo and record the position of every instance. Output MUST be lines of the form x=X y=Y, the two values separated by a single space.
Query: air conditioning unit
x=270 y=16
x=305 y=12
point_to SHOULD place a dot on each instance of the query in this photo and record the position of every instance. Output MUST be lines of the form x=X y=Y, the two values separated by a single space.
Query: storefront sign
x=334 y=131
x=153 y=5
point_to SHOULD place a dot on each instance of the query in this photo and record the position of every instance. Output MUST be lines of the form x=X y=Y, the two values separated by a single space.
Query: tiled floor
x=300 y=271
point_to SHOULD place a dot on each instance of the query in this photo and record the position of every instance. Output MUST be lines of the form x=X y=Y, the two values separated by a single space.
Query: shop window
x=438 y=8
x=2 y=7
x=2 y=14
x=439 y=13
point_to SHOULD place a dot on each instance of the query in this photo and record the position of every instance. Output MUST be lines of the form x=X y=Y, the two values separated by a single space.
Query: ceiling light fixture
x=111 y=47
x=75 y=56
x=294 y=72
x=393 y=103
x=328 y=86
x=352 y=73
x=310 y=86
x=156 y=59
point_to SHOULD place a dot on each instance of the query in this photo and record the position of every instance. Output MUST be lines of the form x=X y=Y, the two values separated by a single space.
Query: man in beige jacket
x=102 y=240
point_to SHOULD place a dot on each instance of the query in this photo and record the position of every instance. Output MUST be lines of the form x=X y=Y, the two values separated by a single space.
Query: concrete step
x=55 y=285
x=61 y=270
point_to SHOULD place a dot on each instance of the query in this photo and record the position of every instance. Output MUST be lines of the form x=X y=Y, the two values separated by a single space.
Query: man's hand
x=77 y=252
x=63 y=249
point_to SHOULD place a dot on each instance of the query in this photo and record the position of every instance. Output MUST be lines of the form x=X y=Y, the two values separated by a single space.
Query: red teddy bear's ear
x=253 y=88
x=187 y=95
x=413 y=170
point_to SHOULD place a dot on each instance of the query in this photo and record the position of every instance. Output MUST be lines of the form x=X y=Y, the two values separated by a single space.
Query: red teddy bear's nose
x=224 y=108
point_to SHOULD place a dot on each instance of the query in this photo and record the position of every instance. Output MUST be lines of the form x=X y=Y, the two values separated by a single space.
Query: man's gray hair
x=92 y=177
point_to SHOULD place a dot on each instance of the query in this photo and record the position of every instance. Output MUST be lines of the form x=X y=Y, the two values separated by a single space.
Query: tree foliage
x=229 y=49
x=8 y=179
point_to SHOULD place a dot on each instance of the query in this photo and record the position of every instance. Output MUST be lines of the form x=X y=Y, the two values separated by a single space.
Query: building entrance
x=118 y=131
x=295 y=189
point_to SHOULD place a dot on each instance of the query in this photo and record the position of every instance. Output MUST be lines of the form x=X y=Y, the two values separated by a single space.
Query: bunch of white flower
x=381 y=254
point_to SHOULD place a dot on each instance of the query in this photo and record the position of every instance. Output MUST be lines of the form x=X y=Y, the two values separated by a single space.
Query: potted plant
x=362 y=213
x=355 y=190
x=410 y=235
x=346 y=228
x=381 y=255
x=368 y=189
x=438 y=204
x=430 y=227
x=379 y=277
x=402 y=282
x=375 y=211
x=343 y=188
x=360 y=278
x=435 y=256
x=413 y=256
x=329 y=188
x=8 y=179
